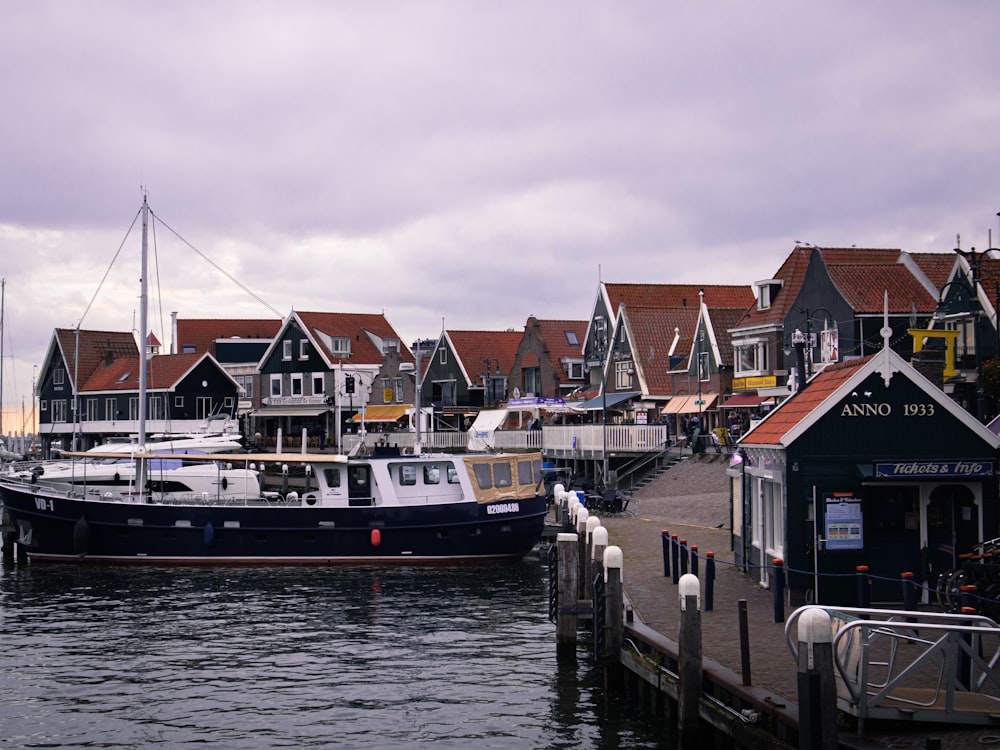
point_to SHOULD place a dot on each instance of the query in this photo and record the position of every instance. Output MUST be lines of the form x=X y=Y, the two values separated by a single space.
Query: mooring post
x=864 y=586
x=778 y=586
x=598 y=543
x=817 y=692
x=558 y=499
x=567 y=546
x=582 y=554
x=674 y=556
x=665 y=542
x=689 y=658
x=741 y=610
x=613 y=612
x=694 y=559
x=593 y=523
x=684 y=556
x=909 y=591
x=709 y=580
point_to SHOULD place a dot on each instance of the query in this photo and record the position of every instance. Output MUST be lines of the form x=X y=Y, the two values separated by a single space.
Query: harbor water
x=261 y=657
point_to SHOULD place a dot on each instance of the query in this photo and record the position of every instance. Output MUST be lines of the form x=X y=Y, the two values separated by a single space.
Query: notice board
x=843 y=522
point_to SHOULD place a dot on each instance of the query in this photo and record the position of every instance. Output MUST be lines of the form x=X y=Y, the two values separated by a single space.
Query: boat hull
x=50 y=527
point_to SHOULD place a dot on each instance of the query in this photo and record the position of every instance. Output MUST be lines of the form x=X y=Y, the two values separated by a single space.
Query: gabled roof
x=863 y=287
x=677 y=295
x=472 y=347
x=792 y=274
x=935 y=266
x=202 y=333
x=94 y=349
x=652 y=332
x=362 y=329
x=553 y=334
x=164 y=372
x=794 y=416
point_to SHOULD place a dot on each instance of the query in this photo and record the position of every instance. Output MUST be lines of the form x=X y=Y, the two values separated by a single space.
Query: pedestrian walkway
x=692 y=501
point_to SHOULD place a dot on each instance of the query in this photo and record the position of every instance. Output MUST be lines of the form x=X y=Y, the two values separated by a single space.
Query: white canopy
x=481 y=432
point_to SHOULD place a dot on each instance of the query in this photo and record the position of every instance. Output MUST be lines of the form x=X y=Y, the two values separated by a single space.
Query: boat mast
x=141 y=473
x=3 y=290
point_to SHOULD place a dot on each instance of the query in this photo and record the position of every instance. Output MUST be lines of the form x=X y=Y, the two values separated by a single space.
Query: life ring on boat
x=376 y=537
x=225 y=483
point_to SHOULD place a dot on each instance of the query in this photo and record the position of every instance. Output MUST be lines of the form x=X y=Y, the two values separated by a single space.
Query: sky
x=467 y=164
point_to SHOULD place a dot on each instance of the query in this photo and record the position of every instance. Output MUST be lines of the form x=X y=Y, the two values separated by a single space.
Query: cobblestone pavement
x=692 y=501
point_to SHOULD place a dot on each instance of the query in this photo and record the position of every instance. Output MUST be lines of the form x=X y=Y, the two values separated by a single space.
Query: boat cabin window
x=432 y=474
x=407 y=475
x=483 y=476
x=453 y=475
x=332 y=477
x=501 y=475
x=524 y=472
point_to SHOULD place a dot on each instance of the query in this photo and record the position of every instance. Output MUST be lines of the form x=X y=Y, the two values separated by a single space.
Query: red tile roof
x=652 y=331
x=936 y=266
x=472 y=347
x=202 y=333
x=864 y=287
x=553 y=334
x=94 y=348
x=677 y=295
x=164 y=372
x=773 y=429
x=356 y=327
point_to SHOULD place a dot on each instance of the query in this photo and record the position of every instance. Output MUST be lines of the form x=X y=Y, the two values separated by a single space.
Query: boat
x=308 y=508
x=275 y=508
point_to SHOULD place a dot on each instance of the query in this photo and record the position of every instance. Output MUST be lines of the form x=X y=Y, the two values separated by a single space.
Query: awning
x=690 y=404
x=291 y=411
x=744 y=400
x=606 y=402
x=383 y=413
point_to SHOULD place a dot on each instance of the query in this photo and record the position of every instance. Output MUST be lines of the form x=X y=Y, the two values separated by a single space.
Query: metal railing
x=902 y=664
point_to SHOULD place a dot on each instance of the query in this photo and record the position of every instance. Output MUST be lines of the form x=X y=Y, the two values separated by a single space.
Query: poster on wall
x=843 y=522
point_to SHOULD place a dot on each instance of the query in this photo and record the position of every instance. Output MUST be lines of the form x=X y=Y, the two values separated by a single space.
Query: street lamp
x=489 y=381
x=809 y=340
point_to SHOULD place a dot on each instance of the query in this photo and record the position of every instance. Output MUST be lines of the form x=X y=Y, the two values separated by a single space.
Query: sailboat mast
x=3 y=291
x=143 y=324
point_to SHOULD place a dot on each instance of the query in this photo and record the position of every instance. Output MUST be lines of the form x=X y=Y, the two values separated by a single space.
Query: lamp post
x=809 y=345
x=489 y=381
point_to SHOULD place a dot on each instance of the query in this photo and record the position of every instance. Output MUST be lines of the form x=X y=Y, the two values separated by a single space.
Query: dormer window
x=340 y=346
x=766 y=290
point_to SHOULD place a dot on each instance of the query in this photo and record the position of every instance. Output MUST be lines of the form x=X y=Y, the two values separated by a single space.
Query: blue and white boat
x=290 y=508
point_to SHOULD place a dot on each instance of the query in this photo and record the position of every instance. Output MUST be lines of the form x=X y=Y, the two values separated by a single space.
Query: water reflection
x=304 y=657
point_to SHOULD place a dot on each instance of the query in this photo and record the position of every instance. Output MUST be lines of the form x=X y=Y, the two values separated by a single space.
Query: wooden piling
x=817 y=691
x=568 y=585
x=615 y=623
x=689 y=667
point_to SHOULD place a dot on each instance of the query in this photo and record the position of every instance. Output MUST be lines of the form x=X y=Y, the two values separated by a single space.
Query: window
x=397 y=384
x=110 y=409
x=286 y=349
x=600 y=332
x=571 y=338
x=319 y=384
x=178 y=402
x=203 y=407
x=133 y=408
x=276 y=385
x=390 y=345
x=90 y=410
x=58 y=376
x=704 y=372
x=532 y=380
x=432 y=474
x=227 y=403
x=453 y=475
x=156 y=407
x=525 y=473
x=407 y=475
x=332 y=477
x=43 y=405
x=483 y=477
x=575 y=370
x=623 y=374
x=296 y=383
x=188 y=349
x=443 y=356
x=751 y=358
x=58 y=410
x=502 y=476
x=340 y=346
x=303 y=349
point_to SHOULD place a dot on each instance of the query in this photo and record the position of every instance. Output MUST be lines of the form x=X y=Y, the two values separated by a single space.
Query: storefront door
x=951 y=527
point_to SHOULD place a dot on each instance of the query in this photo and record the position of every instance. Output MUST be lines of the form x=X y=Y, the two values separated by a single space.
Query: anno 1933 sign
x=959 y=469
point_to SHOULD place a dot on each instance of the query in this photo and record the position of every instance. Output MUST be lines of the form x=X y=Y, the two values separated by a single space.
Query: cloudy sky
x=471 y=163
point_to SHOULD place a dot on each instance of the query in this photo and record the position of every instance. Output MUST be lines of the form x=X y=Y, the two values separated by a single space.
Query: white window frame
x=318 y=384
x=286 y=349
x=623 y=374
x=303 y=349
x=58 y=410
x=759 y=363
x=296 y=384
x=276 y=386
